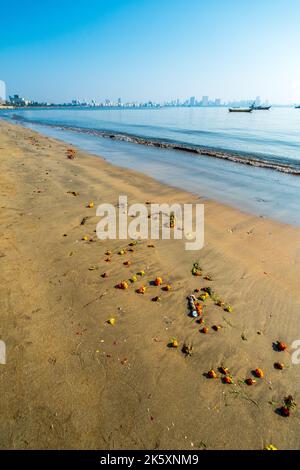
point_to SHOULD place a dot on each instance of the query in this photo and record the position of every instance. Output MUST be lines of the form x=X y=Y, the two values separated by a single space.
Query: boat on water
x=297 y=107
x=262 y=107
x=240 y=110
x=249 y=109
x=253 y=107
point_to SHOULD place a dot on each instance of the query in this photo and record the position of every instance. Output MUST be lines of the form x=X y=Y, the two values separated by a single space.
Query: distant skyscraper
x=2 y=91
x=192 y=101
x=119 y=102
x=204 y=101
x=217 y=102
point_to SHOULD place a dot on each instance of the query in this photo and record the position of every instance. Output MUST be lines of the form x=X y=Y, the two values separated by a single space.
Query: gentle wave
x=236 y=157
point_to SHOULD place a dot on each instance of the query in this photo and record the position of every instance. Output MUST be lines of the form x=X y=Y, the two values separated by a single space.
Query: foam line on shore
x=232 y=156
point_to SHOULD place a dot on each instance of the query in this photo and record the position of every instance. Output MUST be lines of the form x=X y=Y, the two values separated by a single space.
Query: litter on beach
x=141 y=290
x=122 y=285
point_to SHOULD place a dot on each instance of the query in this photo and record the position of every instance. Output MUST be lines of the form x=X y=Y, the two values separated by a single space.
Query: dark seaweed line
x=164 y=144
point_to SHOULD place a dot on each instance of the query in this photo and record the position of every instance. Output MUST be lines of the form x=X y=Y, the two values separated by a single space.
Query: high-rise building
x=192 y=101
x=2 y=92
x=119 y=102
x=16 y=100
x=204 y=101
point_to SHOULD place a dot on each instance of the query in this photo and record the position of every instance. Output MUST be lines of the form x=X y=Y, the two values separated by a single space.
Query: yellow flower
x=174 y=343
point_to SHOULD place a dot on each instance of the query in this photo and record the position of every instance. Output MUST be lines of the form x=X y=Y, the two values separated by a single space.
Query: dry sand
x=74 y=381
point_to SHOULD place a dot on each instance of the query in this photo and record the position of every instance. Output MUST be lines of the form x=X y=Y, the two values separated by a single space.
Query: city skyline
x=19 y=101
x=151 y=50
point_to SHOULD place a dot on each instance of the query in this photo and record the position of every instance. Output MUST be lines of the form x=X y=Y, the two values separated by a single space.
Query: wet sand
x=74 y=381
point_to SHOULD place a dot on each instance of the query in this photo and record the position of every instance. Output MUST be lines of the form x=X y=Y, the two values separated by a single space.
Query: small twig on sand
x=94 y=300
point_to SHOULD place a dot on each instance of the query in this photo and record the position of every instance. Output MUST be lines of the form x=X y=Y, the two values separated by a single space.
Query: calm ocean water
x=272 y=136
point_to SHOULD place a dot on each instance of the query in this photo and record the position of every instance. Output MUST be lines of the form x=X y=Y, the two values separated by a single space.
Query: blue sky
x=151 y=49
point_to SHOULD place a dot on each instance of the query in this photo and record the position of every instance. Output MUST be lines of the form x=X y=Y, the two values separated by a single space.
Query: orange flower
x=174 y=343
x=199 y=309
x=259 y=373
x=123 y=285
x=211 y=374
x=281 y=346
x=158 y=281
x=250 y=381
x=141 y=290
x=227 y=379
x=204 y=330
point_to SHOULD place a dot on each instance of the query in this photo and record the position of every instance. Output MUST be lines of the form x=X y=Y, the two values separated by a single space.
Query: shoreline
x=240 y=157
x=69 y=373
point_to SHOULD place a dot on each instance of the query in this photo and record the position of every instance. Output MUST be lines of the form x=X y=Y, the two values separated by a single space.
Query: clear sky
x=151 y=49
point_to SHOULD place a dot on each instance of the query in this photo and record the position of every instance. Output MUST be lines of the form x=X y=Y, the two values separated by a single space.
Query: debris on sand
x=211 y=374
x=173 y=343
x=158 y=281
x=71 y=153
x=289 y=404
x=74 y=193
x=281 y=346
x=192 y=306
x=227 y=379
x=224 y=370
x=93 y=267
x=141 y=290
x=228 y=308
x=84 y=220
x=279 y=365
x=122 y=285
x=258 y=373
x=187 y=349
x=172 y=220
x=167 y=288
x=216 y=327
x=196 y=270
x=250 y=381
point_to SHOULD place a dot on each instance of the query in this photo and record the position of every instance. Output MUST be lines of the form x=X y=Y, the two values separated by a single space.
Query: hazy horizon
x=151 y=50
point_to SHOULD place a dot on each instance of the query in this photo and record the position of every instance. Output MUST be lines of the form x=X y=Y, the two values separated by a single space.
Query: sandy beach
x=74 y=381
